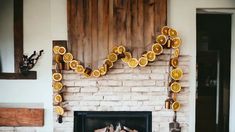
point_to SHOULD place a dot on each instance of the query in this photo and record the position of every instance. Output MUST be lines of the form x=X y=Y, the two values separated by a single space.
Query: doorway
x=213 y=72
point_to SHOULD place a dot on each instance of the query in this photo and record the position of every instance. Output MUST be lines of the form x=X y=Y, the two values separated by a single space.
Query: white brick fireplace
x=126 y=89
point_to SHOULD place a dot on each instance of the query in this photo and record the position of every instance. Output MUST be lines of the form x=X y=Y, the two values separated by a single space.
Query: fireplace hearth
x=108 y=121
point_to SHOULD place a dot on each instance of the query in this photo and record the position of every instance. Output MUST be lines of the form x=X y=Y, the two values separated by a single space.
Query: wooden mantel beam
x=21 y=117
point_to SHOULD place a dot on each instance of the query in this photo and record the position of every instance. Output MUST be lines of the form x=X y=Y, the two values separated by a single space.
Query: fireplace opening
x=110 y=121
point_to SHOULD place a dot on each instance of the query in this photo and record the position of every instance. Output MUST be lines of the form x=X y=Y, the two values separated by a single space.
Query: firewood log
x=118 y=128
x=134 y=131
x=111 y=128
x=101 y=130
x=128 y=129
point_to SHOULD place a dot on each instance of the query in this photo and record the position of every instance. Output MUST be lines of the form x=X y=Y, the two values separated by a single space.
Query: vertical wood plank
x=76 y=29
x=137 y=27
x=133 y=29
x=148 y=22
x=120 y=22
x=71 y=24
x=114 y=18
x=103 y=16
x=160 y=15
x=128 y=25
x=111 y=25
x=79 y=26
x=94 y=34
x=87 y=33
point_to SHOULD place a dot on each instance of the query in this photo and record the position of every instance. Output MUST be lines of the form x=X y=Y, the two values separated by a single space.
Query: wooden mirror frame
x=18 y=45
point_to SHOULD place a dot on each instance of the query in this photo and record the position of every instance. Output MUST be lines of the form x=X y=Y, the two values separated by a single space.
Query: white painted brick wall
x=17 y=129
x=123 y=89
x=126 y=89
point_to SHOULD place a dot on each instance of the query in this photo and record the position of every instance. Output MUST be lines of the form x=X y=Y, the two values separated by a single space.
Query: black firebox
x=93 y=121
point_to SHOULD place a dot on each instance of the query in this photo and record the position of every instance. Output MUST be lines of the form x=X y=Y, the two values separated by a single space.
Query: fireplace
x=91 y=121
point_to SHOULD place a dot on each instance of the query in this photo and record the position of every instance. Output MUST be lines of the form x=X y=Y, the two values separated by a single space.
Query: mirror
x=11 y=40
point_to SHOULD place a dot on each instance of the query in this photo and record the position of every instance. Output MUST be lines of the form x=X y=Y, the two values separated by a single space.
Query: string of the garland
x=168 y=39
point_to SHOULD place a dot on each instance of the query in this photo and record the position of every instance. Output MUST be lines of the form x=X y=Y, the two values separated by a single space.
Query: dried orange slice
x=73 y=64
x=157 y=48
x=176 y=52
x=62 y=50
x=176 y=42
x=151 y=56
x=80 y=69
x=165 y=30
x=133 y=62
x=121 y=49
x=112 y=57
x=143 y=61
x=58 y=98
x=103 y=69
x=59 y=110
x=175 y=87
x=56 y=49
x=96 y=73
x=57 y=86
x=176 y=74
x=161 y=39
x=108 y=63
x=127 y=57
x=172 y=32
x=67 y=57
x=174 y=62
x=57 y=77
x=176 y=106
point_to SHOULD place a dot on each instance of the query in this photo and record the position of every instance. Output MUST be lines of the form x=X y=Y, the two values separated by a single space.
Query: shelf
x=30 y=75
x=21 y=117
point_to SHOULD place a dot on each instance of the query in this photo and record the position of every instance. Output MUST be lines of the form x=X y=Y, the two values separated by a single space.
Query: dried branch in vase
x=28 y=63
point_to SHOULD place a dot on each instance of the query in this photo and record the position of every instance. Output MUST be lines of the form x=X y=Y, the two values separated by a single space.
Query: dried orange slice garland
x=60 y=54
x=167 y=39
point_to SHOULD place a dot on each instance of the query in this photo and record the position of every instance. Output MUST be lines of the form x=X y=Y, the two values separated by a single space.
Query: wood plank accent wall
x=96 y=26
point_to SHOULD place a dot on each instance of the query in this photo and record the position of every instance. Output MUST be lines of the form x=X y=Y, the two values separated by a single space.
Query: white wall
x=6 y=36
x=37 y=36
x=59 y=19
